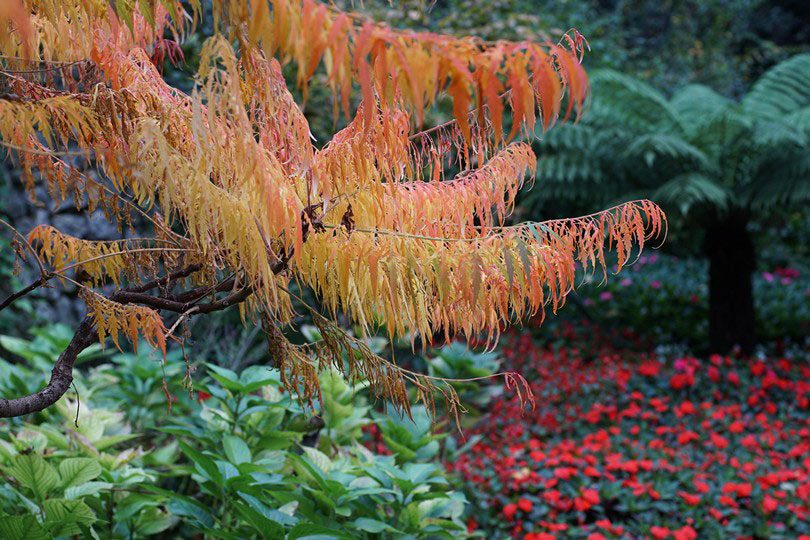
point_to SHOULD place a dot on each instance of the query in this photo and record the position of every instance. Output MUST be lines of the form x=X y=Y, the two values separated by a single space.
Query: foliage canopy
x=242 y=204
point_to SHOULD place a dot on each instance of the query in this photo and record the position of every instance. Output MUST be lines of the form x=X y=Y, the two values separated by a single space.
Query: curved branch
x=61 y=376
x=62 y=373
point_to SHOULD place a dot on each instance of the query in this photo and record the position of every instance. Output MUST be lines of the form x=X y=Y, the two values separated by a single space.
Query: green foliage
x=693 y=152
x=243 y=460
x=457 y=361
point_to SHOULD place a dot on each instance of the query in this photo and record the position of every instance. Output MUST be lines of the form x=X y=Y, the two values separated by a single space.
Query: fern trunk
x=731 y=300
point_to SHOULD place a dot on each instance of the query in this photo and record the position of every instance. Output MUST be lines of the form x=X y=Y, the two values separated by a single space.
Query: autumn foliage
x=242 y=204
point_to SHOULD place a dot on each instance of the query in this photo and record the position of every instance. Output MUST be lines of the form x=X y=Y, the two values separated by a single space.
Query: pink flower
x=655 y=284
x=607 y=295
x=625 y=282
x=767 y=276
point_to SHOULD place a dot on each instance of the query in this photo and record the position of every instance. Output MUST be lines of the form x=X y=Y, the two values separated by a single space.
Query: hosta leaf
x=75 y=471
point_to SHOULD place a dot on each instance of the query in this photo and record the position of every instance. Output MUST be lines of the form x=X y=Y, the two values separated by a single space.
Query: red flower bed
x=625 y=444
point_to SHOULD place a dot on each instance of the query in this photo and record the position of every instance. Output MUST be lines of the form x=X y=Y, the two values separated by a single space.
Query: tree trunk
x=731 y=300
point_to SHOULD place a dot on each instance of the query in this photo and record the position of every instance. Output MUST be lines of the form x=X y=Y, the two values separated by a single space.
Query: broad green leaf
x=34 y=473
x=371 y=525
x=318 y=458
x=236 y=449
x=267 y=512
x=185 y=506
x=155 y=520
x=205 y=463
x=21 y=528
x=268 y=528
x=62 y=516
x=83 y=490
x=112 y=440
x=311 y=531
x=75 y=471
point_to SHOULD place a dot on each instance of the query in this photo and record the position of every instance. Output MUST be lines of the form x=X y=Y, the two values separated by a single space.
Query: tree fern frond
x=649 y=146
x=687 y=190
x=629 y=103
x=783 y=89
x=780 y=182
x=697 y=105
x=800 y=119
x=778 y=135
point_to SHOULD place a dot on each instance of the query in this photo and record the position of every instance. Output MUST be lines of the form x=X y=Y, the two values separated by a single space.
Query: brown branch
x=165 y=280
x=157 y=302
x=61 y=376
x=22 y=292
x=62 y=373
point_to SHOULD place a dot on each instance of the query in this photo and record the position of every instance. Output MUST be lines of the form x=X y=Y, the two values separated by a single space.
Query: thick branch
x=156 y=302
x=61 y=376
x=62 y=373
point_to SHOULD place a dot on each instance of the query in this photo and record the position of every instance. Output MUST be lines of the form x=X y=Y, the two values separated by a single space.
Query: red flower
x=769 y=504
x=564 y=473
x=596 y=536
x=733 y=378
x=588 y=498
x=539 y=536
x=510 y=510
x=659 y=532
x=687 y=436
x=525 y=505
x=649 y=368
x=689 y=498
x=537 y=455
x=604 y=524
x=736 y=427
x=702 y=487
x=552 y=496
x=685 y=533
x=718 y=441
x=681 y=380
x=726 y=500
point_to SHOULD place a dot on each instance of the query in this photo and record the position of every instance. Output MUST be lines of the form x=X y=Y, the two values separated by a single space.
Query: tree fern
x=699 y=154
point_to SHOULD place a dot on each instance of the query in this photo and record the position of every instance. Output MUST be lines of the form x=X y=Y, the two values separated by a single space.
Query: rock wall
x=57 y=303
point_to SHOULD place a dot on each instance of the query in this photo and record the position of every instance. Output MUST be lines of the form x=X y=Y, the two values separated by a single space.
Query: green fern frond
x=698 y=105
x=620 y=100
x=687 y=190
x=650 y=147
x=783 y=89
